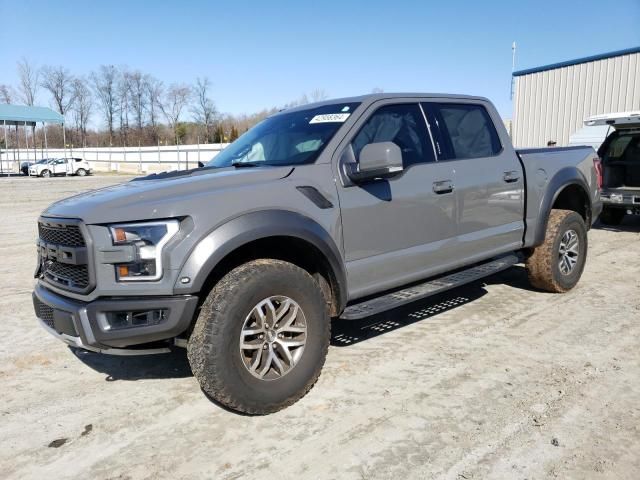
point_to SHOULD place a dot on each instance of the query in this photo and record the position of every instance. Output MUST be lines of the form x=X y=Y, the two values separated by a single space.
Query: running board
x=427 y=289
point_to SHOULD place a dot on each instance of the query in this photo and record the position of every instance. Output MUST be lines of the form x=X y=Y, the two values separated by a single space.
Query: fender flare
x=563 y=178
x=235 y=233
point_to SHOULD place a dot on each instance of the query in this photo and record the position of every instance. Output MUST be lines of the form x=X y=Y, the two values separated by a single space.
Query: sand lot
x=493 y=380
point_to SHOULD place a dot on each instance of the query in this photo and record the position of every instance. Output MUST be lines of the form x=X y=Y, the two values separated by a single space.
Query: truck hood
x=160 y=196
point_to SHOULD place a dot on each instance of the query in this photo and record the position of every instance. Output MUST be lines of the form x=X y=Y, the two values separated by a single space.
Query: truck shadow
x=630 y=223
x=344 y=333
x=165 y=365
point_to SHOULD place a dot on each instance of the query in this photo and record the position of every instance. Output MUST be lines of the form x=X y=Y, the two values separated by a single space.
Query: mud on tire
x=215 y=350
x=545 y=267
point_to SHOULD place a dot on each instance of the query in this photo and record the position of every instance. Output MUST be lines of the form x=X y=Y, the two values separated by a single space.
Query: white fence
x=119 y=159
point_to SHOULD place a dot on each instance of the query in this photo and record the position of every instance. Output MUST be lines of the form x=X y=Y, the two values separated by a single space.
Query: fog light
x=616 y=197
x=146 y=318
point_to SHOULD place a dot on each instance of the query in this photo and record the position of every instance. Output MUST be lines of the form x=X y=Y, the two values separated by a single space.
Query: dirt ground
x=493 y=380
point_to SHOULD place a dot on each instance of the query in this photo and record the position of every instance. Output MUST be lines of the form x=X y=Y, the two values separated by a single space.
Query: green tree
x=234 y=133
x=181 y=132
x=218 y=134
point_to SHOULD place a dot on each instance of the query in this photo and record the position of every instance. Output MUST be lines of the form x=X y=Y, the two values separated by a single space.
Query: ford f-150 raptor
x=338 y=209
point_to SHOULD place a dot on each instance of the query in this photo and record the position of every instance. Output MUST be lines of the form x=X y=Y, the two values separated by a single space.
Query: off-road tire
x=46 y=174
x=81 y=172
x=213 y=348
x=612 y=216
x=543 y=265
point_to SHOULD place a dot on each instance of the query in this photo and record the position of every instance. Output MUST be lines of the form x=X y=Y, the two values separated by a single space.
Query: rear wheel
x=46 y=173
x=81 y=172
x=612 y=216
x=557 y=264
x=261 y=337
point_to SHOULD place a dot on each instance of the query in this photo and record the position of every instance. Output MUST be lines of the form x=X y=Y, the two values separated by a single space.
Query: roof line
x=577 y=61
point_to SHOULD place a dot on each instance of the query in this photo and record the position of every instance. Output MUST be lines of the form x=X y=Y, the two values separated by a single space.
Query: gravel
x=471 y=384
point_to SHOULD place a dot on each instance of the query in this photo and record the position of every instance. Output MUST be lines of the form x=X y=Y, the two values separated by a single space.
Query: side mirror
x=200 y=164
x=377 y=160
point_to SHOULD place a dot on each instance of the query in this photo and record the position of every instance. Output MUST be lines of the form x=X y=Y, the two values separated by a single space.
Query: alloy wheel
x=273 y=337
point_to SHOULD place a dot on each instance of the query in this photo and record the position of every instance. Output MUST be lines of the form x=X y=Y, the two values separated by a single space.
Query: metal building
x=551 y=102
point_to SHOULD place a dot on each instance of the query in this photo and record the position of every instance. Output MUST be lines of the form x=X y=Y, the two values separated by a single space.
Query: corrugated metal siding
x=552 y=104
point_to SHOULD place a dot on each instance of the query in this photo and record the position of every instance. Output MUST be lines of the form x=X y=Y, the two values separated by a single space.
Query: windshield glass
x=286 y=139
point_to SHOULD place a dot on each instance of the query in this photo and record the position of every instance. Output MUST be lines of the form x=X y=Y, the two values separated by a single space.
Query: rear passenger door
x=488 y=178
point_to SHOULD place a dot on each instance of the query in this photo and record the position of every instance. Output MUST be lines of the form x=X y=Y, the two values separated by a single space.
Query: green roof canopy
x=19 y=114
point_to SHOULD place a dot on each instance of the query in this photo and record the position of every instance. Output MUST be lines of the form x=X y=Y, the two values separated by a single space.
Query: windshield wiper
x=247 y=164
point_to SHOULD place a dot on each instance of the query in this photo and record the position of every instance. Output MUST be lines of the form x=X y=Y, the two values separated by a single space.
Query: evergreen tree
x=234 y=133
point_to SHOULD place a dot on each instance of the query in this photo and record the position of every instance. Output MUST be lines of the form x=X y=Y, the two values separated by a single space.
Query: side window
x=467 y=130
x=402 y=124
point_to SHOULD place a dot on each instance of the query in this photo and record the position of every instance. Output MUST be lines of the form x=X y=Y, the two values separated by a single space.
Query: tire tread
x=203 y=357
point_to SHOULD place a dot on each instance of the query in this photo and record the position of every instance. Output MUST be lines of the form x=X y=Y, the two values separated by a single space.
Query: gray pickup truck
x=339 y=209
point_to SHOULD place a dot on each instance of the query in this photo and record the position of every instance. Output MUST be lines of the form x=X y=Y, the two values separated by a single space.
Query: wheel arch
x=567 y=190
x=277 y=234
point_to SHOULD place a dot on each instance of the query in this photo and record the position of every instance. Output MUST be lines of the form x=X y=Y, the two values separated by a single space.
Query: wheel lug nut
x=264 y=347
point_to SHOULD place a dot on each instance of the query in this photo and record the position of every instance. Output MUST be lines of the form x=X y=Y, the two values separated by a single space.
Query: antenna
x=513 y=65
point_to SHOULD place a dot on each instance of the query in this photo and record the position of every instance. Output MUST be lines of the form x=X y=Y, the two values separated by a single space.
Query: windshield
x=286 y=139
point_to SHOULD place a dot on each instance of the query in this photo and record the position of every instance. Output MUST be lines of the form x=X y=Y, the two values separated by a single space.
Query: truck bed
x=545 y=166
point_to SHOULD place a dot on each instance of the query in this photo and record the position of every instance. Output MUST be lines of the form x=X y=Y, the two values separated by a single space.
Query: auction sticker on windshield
x=330 y=117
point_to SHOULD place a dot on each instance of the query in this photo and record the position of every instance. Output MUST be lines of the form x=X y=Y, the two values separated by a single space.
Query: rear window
x=619 y=146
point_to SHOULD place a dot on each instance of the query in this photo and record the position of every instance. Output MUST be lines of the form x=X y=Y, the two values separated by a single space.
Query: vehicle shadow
x=630 y=223
x=164 y=365
x=344 y=333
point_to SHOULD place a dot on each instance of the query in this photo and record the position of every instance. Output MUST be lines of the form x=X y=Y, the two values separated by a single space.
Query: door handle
x=442 y=187
x=511 y=177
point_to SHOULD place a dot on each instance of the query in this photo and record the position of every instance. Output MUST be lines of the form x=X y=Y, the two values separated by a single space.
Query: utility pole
x=513 y=65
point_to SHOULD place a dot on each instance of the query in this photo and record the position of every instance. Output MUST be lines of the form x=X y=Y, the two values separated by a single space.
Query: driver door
x=59 y=166
x=403 y=228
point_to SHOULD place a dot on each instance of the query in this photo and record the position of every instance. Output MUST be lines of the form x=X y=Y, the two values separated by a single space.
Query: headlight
x=148 y=238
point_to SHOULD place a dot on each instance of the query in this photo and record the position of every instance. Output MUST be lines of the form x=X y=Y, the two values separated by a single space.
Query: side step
x=427 y=289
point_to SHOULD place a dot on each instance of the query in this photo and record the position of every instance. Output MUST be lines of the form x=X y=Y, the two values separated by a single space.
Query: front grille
x=44 y=312
x=60 y=234
x=56 y=268
x=72 y=276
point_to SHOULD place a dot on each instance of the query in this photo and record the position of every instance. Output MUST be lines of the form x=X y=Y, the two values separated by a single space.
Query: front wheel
x=261 y=337
x=557 y=264
x=46 y=173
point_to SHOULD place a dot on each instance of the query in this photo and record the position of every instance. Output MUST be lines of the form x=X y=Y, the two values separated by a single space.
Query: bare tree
x=318 y=94
x=137 y=93
x=81 y=107
x=29 y=81
x=124 y=96
x=59 y=83
x=175 y=99
x=204 y=110
x=154 y=90
x=6 y=94
x=105 y=86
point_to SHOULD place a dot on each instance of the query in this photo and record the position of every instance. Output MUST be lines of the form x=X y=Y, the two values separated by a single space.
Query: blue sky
x=263 y=54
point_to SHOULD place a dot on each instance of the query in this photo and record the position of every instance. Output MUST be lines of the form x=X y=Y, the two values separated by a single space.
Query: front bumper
x=82 y=324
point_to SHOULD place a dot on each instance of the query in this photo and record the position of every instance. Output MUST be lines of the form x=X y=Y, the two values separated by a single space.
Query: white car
x=61 y=166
